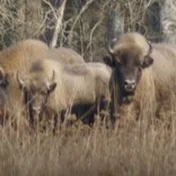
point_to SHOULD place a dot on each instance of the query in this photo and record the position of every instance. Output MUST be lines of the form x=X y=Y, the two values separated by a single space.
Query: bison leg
x=85 y=113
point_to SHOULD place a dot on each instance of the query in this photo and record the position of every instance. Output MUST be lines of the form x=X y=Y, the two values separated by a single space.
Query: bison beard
x=126 y=97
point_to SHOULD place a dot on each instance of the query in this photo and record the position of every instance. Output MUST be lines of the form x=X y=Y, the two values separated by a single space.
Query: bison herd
x=41 y=82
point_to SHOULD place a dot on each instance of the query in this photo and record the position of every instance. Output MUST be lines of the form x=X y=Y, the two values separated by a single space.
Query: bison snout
x=129 y=85
x=36 y=110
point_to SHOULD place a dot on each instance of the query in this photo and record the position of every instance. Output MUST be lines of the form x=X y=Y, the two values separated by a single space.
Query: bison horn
x=53 y=76
x=53 y=83
x=2 y=73
x=150 y=48
x=111 y=51
x=20 y=80
x=111 y=46
x=3 y=77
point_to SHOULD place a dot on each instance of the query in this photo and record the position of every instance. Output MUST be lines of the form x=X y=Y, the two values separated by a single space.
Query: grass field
x=139 y=148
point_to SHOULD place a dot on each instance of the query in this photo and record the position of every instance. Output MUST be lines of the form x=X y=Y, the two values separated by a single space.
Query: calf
x=59 y=87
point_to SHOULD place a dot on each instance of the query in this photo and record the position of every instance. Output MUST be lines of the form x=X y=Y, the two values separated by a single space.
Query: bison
x=58 y=87
x=20 y=57
x=144 y=70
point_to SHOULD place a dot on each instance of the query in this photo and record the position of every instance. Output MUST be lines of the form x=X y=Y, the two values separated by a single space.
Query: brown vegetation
x=138 y=148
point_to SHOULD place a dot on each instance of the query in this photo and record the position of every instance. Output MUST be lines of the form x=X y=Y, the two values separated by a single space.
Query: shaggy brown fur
x=65 y=55
x=19 y=56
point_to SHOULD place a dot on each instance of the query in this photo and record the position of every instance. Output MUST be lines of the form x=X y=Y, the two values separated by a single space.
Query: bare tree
x=84 y=8
x=115 y=26
x=58 y=26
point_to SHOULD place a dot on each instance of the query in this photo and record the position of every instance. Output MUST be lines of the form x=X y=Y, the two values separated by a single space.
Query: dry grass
x=142 y=147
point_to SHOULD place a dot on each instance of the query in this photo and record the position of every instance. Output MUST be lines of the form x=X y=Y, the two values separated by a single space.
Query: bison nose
x=36 y=110
x=129 y=85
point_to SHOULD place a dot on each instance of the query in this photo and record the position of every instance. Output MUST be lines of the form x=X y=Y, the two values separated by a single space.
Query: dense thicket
x=84 y=22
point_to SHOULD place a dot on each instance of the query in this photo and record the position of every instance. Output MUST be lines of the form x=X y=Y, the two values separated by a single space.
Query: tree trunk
x=168 y=20
x=153 y=22
x=58 y=25
x=34 y=18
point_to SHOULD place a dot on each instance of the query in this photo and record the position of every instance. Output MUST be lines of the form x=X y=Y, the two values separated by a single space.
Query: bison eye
x=140 y=68
x=118 y=63
x=44 y=92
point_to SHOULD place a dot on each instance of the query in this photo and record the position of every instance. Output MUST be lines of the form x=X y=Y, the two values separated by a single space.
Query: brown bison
x=20 y=57
x=143 y=69
x=59 y=87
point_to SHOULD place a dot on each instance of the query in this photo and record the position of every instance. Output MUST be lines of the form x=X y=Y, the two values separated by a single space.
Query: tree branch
x=84 y=8
x=58 y=26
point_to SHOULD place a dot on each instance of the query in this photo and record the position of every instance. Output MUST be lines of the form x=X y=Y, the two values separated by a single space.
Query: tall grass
x=143 y=147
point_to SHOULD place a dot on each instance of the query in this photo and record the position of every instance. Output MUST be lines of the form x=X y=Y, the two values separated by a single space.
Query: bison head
x=129 y=59
x=36 y=90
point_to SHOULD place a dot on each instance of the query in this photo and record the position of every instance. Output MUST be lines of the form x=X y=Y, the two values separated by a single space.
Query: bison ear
x=148 y=61
x=108 y=60
x=52 y=87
